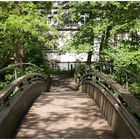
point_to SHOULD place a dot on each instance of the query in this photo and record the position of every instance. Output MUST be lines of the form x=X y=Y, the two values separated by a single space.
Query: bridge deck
x=64 y=113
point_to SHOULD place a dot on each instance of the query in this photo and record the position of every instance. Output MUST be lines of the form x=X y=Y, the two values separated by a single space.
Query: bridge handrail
x=20 y=64
x=129 y=98
x=123 y=123
x=115 y=66
x=112 y=71
x=16 y=98
x=123 y=69
x=7 y=92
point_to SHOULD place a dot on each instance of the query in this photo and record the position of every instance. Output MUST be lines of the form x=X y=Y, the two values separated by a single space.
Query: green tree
x=22 y=26
x=104 y=21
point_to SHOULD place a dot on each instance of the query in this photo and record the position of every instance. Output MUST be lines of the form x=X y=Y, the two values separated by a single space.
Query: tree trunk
x=89 y=57
x=102 y=43
x=104 y=40
x=4 y=60
x=135 y=38
x=18 y=52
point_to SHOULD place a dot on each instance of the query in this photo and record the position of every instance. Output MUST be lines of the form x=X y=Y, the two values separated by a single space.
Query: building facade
x=68 y=29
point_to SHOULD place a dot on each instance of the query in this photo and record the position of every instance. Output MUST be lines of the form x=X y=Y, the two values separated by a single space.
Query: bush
x=80 y=68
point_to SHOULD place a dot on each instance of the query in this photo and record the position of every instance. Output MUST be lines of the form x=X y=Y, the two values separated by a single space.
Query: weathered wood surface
x=129 y=98
x=64 y=113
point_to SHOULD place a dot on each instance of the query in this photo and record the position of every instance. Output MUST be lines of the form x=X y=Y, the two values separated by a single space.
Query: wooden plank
x=129 y=98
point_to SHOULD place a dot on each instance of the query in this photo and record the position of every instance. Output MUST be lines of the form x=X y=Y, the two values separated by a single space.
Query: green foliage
x=24 y=31
x=80 y=68
x=24 y=25
x=31 y=69
x=10 y=74
x=125 y=55
x=135 y=89
x=34 y=55
x=45 y=68
x=9 y=77
x=61 y=72
x=107 y=20
x=2 y=85
x=22 y=28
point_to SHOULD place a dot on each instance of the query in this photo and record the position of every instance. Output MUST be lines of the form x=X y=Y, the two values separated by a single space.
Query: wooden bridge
x=65 y=111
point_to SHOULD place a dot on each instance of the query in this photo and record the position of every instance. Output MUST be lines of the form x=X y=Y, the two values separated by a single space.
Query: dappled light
x=64 y=114
x=70 y=69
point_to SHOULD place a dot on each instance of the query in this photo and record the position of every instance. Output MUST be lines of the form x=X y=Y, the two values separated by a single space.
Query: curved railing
x=9 y=73
x=20 y=64
x=16 y=98
x=120 y=108
x=124 y=77
x=113 y=67
x=22 y=67
x=17 y=85
x=110 y=69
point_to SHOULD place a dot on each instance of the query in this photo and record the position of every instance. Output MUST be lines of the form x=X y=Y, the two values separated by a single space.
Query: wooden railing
x=19 y=66
x=111 y=69
x=16 y=98
x=120 y=108
x=125 y=76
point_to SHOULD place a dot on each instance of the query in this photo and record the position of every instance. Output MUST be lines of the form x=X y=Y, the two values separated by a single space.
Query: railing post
x=15 y=73
x=126 y=76
x=68 y=66
x=101 y=68
x=110 y=69
x=71 y=69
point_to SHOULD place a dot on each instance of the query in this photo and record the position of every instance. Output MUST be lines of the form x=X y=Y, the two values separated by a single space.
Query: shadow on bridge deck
x=64 y=113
